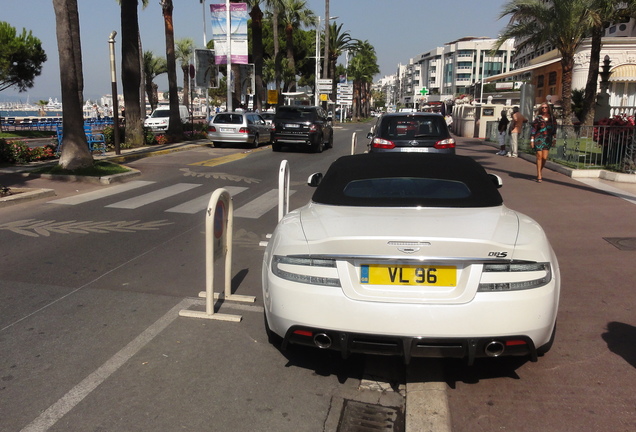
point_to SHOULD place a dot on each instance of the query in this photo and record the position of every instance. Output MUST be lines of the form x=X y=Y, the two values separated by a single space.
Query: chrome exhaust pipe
x=322 y=340
x=494 y=349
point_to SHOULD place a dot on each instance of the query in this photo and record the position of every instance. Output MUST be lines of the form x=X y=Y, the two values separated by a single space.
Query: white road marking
x=60 y=408
x=101 y=193
x=261 y=205
x=152 y=197
x=199 y=204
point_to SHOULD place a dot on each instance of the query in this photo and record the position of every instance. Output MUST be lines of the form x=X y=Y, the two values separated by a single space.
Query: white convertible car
x=412 y=255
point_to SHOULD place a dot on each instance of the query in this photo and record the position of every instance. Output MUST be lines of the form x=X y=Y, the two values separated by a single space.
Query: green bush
x=17 y=152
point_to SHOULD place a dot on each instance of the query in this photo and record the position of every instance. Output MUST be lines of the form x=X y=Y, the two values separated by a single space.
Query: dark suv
x=303 y=127
x=411 y=132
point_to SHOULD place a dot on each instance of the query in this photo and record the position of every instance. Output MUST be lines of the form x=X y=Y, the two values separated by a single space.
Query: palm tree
x=257 y=49
x=174 y=126
x=362 y=68
x=75 y=153
x=339 y=42
x=184 y=51
x=562 y=24
x=131 y=71
x=294 y=15
x=153 y=67
x=275 y=6
x=603 y=13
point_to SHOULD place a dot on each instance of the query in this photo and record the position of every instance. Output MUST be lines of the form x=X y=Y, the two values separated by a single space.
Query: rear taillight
x=211 y=129
x=244 y=130
x=445 y=144
x=381 y=143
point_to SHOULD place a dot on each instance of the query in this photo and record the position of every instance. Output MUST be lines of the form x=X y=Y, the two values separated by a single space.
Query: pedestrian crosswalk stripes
x=259 y=206
x=253 y=209
x=101 y=193
x=155 y=196
x=201 y=203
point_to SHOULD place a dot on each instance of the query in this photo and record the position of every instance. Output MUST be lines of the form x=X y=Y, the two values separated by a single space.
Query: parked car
x=239 y=128
x=412 y=255
x=302 y=127
x=160 y=118
x=411 y=132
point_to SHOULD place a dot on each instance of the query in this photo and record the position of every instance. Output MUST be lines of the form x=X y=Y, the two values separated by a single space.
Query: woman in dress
x=543 y=136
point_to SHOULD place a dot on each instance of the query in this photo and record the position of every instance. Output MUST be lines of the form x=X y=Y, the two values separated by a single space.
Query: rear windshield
x=412 y=127
x=407 y=188
x=228 y=118
x=296 y=113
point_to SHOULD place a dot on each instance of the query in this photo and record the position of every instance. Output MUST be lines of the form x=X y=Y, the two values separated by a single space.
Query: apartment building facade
x=450 y=70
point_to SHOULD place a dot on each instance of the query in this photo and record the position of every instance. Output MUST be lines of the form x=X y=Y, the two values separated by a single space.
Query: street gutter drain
x=622 y=243
x=364 y=417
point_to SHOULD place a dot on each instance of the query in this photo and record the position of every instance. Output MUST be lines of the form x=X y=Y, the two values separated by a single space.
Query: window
x=540 y=81
x=552 y=78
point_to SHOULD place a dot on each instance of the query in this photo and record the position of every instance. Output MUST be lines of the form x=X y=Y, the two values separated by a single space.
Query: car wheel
x=542 y=350
x=255 y=142
x=272 y=337
x=277 y=147
x=319 y=146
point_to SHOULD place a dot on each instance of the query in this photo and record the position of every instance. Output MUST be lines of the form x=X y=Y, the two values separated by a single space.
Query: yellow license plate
x=372 y=274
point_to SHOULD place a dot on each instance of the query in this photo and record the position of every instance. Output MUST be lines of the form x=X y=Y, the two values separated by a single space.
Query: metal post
x=228 y=24
x=317 y=72
x=113 y=80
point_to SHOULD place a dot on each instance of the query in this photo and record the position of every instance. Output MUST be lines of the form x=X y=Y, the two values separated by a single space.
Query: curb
x=25 y=194
x=106 y=180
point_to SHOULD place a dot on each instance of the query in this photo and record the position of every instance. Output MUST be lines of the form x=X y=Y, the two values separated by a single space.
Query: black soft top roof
x=442 y=169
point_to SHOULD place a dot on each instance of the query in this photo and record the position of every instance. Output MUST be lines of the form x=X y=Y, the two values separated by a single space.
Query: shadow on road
x=621 y=340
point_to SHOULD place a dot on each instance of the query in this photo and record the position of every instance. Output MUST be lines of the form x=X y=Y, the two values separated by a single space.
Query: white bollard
x=218 y=244
x=354 y=141
x=283 y=189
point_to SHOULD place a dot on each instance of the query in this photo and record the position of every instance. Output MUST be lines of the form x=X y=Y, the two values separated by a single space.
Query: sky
x=398 y=29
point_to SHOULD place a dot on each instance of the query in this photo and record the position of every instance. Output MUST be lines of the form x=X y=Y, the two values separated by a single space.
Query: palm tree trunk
x=131 y=72
x=277 y=58
x=175 y=127
x=289 y=34
x=589 y=99
x=257 y=54
x=567 y=65
x=75 y=153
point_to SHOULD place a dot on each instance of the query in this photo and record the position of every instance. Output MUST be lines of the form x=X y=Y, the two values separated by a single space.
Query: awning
x=622 y=73
x=521 y=71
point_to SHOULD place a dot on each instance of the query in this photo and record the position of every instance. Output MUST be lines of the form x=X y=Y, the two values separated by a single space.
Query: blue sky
x=398 y=29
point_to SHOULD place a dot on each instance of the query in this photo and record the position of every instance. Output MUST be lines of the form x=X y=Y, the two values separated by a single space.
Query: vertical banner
x=206 y=70
x=238 y=32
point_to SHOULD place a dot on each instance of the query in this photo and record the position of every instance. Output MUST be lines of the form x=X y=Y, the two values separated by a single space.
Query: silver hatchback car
x=239 y=128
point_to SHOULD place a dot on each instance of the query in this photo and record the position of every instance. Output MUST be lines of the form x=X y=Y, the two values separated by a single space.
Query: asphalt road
x=91 y=338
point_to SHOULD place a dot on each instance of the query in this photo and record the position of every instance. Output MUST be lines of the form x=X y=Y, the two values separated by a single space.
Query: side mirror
x=496 y=180
x=314 y=179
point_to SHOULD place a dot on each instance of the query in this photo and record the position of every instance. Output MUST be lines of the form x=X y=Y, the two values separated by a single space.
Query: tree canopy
x=21 y=58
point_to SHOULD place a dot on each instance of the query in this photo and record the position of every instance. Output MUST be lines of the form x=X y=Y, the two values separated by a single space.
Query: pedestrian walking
x=516 y=126
x=543 y=136
x=502 y=128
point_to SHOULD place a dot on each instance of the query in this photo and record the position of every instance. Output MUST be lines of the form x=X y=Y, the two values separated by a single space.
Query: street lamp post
x=317 y=72
x=113 y=80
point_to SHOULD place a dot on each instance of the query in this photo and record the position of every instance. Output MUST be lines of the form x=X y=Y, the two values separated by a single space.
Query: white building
x=450 y=70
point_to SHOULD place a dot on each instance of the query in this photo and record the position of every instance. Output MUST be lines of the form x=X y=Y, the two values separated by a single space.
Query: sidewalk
x=619 y=184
